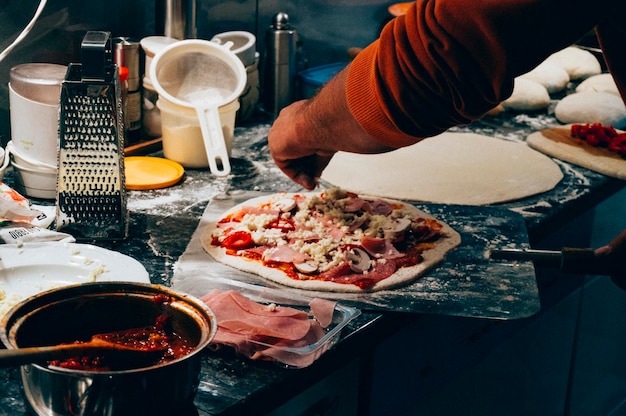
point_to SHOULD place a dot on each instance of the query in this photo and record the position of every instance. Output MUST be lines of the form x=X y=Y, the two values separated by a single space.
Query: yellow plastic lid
x=146 y=172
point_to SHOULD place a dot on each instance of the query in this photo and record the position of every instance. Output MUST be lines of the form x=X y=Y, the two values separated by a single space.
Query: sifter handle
x=213 y=136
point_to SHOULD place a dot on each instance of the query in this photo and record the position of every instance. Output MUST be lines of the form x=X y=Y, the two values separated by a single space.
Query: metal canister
x=280 y=64
x=176 y=18
x=126 y=52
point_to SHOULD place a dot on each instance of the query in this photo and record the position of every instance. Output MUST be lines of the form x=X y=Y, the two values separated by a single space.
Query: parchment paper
x=467 y=283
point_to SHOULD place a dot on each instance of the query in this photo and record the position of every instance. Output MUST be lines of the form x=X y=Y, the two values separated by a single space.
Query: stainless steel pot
x=76 y=312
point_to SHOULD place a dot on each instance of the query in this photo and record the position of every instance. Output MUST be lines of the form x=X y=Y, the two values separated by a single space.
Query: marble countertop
x=163 y=221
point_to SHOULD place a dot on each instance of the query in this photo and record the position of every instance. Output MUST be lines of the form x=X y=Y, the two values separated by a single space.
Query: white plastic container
x=151 y=45
x=181 y=134
x=34 y=91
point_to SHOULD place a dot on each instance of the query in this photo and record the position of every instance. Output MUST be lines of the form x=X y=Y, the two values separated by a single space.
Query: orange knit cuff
x=364 y=102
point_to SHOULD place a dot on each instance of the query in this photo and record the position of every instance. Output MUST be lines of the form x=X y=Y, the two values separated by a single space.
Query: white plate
x=37 y=267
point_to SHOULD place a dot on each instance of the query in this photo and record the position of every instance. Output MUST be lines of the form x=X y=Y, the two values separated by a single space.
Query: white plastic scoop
x=202 y=75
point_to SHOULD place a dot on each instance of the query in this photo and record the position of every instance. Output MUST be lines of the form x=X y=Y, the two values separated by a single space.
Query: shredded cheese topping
x=324 y=226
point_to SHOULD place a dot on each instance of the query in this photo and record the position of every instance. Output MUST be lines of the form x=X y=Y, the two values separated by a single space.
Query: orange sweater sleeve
x=447 y=62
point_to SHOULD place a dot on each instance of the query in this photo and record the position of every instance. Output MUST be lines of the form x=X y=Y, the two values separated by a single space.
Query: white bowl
x=4 y=162
x=27 y=161
x=243 y=44
x=35 y=183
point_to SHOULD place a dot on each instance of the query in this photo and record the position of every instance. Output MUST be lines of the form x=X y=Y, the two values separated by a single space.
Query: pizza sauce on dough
x=334 y=236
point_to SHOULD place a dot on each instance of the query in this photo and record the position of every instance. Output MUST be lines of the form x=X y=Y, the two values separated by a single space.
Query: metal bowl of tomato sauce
x=75 y=313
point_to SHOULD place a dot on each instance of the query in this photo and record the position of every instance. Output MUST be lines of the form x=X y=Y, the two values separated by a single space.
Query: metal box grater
x=91 y=191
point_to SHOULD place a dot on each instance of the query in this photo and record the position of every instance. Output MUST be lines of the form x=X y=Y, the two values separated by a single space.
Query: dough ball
x=553 y=77
x=592 y=107
x=578 y=63
x=599 y=83
x=527 y=96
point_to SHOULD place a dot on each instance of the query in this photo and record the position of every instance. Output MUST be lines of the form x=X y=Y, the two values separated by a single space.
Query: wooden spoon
x=136 y=356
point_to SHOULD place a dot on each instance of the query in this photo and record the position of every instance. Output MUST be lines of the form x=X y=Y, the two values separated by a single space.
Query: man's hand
x=615 y=253
x=307 y=134
x=294 y=153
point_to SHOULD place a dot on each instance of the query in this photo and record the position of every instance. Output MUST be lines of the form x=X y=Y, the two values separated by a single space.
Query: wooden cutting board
x=558 y=142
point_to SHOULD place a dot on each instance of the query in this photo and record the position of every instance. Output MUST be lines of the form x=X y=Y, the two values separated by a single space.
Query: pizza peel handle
x=569 y=260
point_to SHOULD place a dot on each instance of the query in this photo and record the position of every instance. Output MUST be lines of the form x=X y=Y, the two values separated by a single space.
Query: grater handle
x=213 y=136
x=96 y=56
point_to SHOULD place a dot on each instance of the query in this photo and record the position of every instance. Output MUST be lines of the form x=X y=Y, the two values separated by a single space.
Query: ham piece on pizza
x=331 y=240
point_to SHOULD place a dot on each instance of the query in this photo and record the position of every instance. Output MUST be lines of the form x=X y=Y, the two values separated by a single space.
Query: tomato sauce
x=150 y=338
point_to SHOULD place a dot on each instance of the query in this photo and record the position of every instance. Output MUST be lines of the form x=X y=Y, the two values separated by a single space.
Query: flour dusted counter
x=163 y=222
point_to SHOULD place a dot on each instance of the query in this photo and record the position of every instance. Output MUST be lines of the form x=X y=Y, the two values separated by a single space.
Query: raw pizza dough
x=592 y=107
x=452 y=168
x=599 y=83
x=578 y=63
x=558 y=142
x=553 y=77
x=449 y=240
x=527 y=95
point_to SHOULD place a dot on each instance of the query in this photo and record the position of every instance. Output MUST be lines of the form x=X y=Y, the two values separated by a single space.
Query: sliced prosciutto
x=323 y=311
x=285 y=254
x=266 y=332
x=237 y=313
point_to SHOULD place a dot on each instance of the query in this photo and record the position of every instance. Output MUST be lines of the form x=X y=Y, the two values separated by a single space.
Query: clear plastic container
x=199 y=286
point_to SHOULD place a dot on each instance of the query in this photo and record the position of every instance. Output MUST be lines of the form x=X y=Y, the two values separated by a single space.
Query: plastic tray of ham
x=268 y=324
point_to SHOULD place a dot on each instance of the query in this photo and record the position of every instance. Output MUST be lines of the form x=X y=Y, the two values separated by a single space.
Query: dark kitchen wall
x=327 y=28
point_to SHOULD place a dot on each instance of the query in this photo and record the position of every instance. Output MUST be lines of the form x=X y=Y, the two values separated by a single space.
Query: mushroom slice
x=285 y=204
x=306 y=267
x=360 y=261
x=395 y=228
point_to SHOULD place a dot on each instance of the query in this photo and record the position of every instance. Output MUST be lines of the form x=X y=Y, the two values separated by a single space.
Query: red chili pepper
x=238 y=240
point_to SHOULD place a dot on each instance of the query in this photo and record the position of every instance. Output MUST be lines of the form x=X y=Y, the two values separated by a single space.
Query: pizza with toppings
x=331 y=240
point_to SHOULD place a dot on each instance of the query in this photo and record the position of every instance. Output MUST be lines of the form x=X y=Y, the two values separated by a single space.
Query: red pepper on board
x=598 y=135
